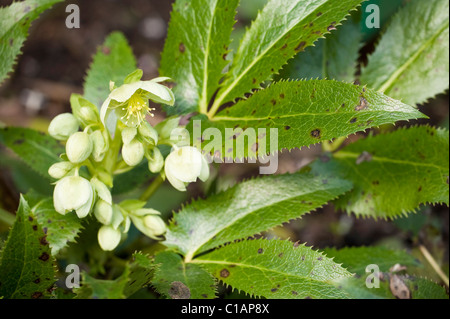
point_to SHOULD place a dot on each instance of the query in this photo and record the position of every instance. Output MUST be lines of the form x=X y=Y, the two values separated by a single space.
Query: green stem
x=152 y=188
x=433 y=264
x=333 y=146
x=7 y=217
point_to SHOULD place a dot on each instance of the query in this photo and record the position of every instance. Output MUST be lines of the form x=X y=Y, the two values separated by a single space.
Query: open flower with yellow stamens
x=130 y=102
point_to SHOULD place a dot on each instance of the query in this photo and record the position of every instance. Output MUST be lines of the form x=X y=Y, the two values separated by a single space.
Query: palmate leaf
x=275 y=269
x=332 y=58
x=113 y=61
x=179 y=280
x=304 y=113
x=26 y=269
x=38 y=150
x=249 y=208
x=60 y=229
x=195 y=52
x=281 y=30
x=411 y=62
x=393 y=173
x=137 y=274
x=15 y=20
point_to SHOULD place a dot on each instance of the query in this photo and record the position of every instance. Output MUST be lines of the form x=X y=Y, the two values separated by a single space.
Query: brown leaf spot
x=182 y=47
x=36 y=295
x=224 y=273
x=274 y=290
x=178 y=290
x=106 y=50
x=353 y=120
x=260 y=251
x=287 y=127
x=300 y=46
x=44 y=256
x=316 y=133
x=363 y=104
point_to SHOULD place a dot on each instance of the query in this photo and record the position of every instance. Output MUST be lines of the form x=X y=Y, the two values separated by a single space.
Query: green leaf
x=356 y=259
x=24 y=177
x=279 y=32
x=249 y=208
x=102 y=289
x=15 y=21
x=411 y=62
x=275 y=269
x=60 y=229
x=415 y=288
x=38 y=150
x=132 y=179
x=393 y=173
x=178 y=280
x=114 y=61
x=195 y=51
x=136 y=274
x=304 y=113
x=141 y=273
x=332 y=58
x=26 y=269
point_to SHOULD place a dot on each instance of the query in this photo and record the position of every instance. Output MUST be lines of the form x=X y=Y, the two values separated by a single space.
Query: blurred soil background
x=53 y=66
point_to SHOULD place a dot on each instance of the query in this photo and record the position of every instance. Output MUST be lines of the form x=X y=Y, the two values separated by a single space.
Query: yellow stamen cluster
x=136 y=109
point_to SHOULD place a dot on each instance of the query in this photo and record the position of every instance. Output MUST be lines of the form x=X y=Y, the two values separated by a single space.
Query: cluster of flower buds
x=112 y=141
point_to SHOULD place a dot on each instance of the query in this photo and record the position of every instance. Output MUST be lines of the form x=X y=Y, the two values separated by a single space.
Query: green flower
x=63 y=126
x=184 y=165
x=73 y=193
x=130 y=102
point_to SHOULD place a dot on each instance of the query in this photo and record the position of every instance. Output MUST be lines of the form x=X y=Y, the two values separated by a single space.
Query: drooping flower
x=73 y=193
x=184 y=165
x=78 y=147
x=63 y=126
x=130 y=102
x=108 y=237
x=60 y=169
x=149 y=222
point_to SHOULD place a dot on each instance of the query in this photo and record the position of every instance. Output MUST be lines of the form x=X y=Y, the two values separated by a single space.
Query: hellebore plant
x=294 y=80
x=120 y=126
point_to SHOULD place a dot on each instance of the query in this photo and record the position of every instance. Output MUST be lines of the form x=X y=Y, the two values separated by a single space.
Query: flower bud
x=149 y=223
x=59 y=170
x=87 y=115
x=108 y=238
x=103 y=212
x=78 y=147
x=102 y=190
x=133 y=153
x=155 y=225
x=63 y=126
x=99 y=146
x=184 y=166
x=73 y=193
x=155 y=160
x=128 y=134
x=149 y=134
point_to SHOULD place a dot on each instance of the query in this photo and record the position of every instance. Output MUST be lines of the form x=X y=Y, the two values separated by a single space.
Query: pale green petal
x=108 y=238
x=184 y=164
x=124 y=92
x=158 y=93
x=204 y=173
